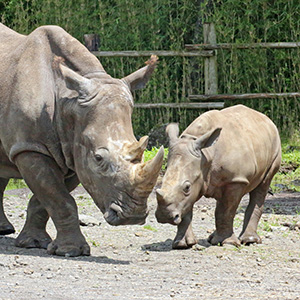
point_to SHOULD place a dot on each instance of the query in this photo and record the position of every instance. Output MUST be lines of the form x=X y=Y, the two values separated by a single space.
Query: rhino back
x=28 y=87
x=248 y=144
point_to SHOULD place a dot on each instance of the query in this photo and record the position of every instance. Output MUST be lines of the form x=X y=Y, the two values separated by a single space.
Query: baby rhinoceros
x=224 y=155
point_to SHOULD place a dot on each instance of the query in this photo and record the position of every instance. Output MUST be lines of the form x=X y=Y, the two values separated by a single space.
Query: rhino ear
x=172 y=131
x=207 y=140
x=84 y=86
x=139 y=78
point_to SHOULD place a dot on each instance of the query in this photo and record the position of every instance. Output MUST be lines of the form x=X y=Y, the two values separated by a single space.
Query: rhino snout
x=166 y=213
x=116 y=216
x=164 y=216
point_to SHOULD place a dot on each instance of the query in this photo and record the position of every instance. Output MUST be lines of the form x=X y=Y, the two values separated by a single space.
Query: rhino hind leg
x=255 y=207
x=5 y=226
x=252 y=216
x=33 y=234
x=185 y=237
x=48 y=185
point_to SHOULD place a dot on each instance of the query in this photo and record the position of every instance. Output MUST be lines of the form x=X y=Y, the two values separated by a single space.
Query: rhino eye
x=101 y=155
x=186 y=188
x=104 y=163
x=98 y=157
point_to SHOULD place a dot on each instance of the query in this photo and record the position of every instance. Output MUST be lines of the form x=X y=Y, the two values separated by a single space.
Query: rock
x=281 y=186
x=28 y=271
x=198 y=247
x=138 y=234
x=296 y=182
x=291 y=226
x=88 y=221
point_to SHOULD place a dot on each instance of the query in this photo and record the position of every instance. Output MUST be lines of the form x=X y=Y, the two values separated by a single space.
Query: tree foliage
x=169 y=24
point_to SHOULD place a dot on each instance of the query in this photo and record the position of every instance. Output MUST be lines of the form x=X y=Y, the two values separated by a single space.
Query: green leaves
x=148 y=155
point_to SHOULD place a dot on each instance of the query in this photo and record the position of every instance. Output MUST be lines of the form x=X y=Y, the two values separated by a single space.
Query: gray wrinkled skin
x=224 y=155
x=64 y=120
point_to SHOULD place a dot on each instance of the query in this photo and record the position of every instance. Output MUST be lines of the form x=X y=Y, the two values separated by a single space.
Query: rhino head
x=104 y=153
x=184 y=181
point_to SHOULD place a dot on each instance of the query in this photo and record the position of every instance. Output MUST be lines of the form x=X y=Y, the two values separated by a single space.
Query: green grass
x=14 y=184
x=149 y=227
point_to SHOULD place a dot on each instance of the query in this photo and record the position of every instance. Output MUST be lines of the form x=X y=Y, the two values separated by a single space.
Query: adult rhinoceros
x=222 y=154
x=65 y=123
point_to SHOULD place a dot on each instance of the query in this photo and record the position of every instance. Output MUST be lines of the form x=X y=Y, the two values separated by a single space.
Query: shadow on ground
x=7 y=247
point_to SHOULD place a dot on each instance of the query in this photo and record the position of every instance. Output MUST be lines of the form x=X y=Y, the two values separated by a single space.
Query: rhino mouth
x=163 y=216
x=115 y=215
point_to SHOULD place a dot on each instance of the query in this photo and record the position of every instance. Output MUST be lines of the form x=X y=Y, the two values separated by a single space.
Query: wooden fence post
x=210 y=63
x=92 y=41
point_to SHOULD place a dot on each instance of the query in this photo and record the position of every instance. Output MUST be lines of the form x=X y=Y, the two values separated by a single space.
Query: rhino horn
x=146 y=173
x=136 y=150
x=74 y=81
x=172 y=131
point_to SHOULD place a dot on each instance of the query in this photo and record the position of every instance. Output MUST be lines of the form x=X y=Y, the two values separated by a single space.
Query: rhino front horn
x=146 y=173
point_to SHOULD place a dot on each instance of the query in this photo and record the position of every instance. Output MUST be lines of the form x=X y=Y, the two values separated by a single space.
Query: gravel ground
x=137 y=262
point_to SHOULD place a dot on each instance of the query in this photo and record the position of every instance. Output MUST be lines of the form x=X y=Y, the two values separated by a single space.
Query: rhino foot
x=248 y=239
x=6 y=229
x=66 y=249
x=216 y=239
x=186 y=242
x=183 y=244
x=29 y=240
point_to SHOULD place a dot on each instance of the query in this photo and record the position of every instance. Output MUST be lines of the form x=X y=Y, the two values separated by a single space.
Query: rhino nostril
x=177 y=219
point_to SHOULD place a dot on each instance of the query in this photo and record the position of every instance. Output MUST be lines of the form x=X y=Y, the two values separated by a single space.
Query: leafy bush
x=149 y=154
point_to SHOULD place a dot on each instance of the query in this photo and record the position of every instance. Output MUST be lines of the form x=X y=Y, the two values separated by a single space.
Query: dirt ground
x=137 y=262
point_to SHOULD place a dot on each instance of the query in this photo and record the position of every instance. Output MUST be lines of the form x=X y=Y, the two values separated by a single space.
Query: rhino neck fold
x=65 y=130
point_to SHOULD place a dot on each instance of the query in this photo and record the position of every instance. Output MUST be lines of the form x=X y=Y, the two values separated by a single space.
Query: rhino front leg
x=224 y=215
x=46 y=181
x=185 y=237
x=5 y=226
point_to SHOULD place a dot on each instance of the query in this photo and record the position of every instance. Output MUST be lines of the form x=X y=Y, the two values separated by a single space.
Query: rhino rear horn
x=172 y=131
x=136 y=150
x=138 y=79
